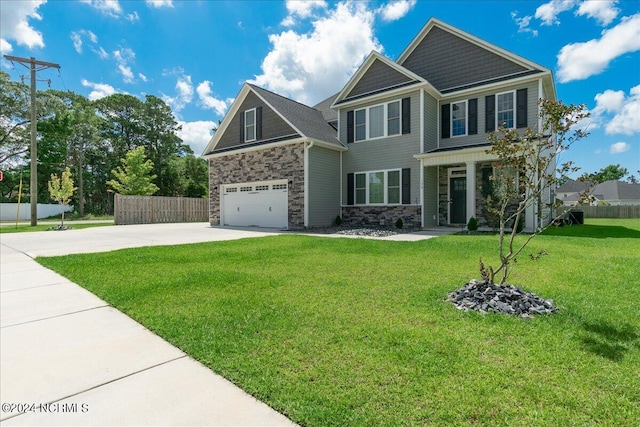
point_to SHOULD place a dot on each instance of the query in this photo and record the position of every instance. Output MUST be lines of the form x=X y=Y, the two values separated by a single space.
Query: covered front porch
x=454 y=187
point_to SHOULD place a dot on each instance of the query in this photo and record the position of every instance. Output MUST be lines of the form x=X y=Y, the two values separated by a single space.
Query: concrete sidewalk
x=68 y=358
x=64 y=347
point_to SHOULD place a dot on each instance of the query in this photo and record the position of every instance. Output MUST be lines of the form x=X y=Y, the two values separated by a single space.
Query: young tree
x=61 y=189
x=527 y=171
x=134 y=177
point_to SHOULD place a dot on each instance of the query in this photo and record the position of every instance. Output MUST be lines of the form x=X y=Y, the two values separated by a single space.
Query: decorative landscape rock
x=479 y=295
x=367 y=232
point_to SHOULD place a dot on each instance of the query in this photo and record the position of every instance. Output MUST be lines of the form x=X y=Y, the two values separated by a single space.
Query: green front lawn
x=21 y=228
x=357 y=332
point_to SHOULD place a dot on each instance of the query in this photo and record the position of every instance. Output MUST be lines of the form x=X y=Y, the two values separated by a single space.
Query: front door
x=458 y=200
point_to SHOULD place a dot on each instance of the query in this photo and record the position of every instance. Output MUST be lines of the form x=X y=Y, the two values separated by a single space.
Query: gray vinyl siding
x=448 y=61
x=481 y=136
x=395 y=152
x=378 y=76
x=430 y=196
x=272 y=124
x=324 y=186
x=430 y=123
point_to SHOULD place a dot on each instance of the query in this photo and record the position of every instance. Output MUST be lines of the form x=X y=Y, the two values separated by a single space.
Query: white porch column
x=471 y=190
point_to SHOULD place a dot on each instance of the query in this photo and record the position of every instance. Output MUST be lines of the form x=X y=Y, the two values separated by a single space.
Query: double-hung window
x=393 y=118
x=505 y=111
x=378 y=187
x=459 y=118
x=250 y=125
x=377 y=121
x=361 y=125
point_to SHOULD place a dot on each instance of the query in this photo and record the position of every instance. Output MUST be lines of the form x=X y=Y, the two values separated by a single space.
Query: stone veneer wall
x=283 y=162
x=382 y=215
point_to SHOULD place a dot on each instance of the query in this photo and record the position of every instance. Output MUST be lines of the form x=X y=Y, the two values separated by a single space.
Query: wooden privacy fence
x=156 y=209
x=622 y=211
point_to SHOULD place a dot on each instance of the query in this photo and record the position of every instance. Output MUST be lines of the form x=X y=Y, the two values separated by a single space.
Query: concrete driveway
x=68 y=358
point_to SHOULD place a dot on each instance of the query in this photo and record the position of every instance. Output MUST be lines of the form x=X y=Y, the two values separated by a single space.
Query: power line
x=34 y=66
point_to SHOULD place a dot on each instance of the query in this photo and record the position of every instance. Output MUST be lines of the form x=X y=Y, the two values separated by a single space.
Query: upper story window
x=250 y=125
x=508 y=109
x=459 y=118
x=377 y=121
x=505 y=111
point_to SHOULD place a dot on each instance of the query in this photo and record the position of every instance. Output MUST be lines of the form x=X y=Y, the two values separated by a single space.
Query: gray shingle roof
x=571 y=186
x=309 y=121
x=616 y=190
x=324 y=107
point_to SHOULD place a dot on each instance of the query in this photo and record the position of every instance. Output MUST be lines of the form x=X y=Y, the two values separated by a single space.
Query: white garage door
x=261 y=204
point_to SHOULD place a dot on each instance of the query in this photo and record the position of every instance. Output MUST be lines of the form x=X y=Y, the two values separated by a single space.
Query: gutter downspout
x=306 y=183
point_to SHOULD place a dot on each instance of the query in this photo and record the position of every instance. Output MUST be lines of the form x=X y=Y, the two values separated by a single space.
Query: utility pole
x=34 y=66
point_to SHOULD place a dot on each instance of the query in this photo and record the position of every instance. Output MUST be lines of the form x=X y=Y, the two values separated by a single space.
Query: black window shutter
x=521 y=108
x=350 y=126
x=350 y=188
x=473 y=116
x=258 y=123
x=406 y=186
x=242 y=126
x=445 y=115
x=406 y=116
x=490 y=113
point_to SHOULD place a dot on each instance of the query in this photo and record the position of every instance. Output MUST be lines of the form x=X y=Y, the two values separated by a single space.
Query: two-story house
x=403 y=139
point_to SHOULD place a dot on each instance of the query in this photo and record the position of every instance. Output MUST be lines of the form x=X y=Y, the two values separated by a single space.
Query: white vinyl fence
x=8 y=211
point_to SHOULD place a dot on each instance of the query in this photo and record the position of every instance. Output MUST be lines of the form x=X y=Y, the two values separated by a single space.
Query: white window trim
x=254 y=125
x=367 y=119
x=514 y=109
x=466 y=118
x=386 y=187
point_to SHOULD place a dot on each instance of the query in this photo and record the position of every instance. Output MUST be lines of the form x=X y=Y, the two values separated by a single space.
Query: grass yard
x=357 y=332
x=22 y=228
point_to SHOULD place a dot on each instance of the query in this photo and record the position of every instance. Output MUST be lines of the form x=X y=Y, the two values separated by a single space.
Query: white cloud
x=617 y=112
x=142 y=77
x=77 y=37
x=102 y=53
x=14 y=24
x=133 y=17
x=626 y=120
x=196 y=134
x=123 y=57
x=301 y=9
x=159 y=3
x=548 y=12
x=77 y=41
x=100 y=90
x=184 y=91
x=210 y=102
x=578 y=61
x=523 y=23
x=603 y=11
x=311 y=66
x=5 y=46
x=619 y=147
x=396 y=9
x=609 y=101
x=108 y=7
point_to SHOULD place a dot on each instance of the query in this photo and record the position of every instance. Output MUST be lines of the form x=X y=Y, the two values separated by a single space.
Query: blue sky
x=196 y=54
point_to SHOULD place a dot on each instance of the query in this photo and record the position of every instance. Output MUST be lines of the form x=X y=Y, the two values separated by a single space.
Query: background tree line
x=91 y=138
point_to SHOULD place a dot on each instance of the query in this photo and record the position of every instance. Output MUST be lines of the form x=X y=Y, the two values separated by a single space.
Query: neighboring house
x=569 y=192
x=403 y=139
x=613 y=193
